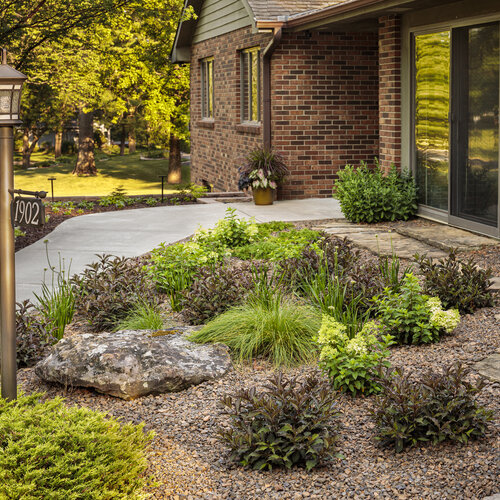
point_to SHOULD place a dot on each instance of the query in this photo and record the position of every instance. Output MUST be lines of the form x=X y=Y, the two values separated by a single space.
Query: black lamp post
x=11 y=84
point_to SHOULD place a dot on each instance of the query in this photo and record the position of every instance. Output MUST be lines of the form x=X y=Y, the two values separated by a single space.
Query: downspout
x=266 y=68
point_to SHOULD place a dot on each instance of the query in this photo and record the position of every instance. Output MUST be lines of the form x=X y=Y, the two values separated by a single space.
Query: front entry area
x=456 y=90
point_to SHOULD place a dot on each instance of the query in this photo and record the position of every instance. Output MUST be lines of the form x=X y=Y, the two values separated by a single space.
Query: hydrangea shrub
x=352 y=363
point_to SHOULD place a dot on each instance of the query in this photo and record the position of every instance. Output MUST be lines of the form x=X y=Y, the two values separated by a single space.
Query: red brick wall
x=216 y=152
x=324 y=106
x=324 y=96
x=390 y=91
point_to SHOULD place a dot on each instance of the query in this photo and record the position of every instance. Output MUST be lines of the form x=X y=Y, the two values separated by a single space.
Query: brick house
x=335 y=82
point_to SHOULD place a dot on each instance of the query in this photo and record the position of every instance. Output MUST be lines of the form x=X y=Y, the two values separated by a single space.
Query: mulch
x=188 y=461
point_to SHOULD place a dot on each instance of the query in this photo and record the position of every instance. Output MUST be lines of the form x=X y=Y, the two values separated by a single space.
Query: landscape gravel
x=187 y=461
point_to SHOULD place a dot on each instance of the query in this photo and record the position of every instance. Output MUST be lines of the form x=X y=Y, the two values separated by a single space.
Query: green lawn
x=135 y=175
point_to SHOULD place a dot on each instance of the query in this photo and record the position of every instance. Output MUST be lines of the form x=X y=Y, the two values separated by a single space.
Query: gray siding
x=220 y=16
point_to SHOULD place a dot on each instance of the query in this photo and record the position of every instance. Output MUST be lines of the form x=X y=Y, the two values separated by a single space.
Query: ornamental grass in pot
x=262 y=171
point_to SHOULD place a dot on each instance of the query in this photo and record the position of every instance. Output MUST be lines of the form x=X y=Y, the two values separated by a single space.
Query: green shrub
x=144 y=316
x=289 y=423
x=266 y=229
x=173 y=267
x=367 y=195
x=438 y=407
x=457 y=283
x=352 y=361
x=214 y=290
x=271 y=325
x=109 y=289
x=229 y=232
x=117 y=198
x=283 y=245
x=32 y=335
x=413 y=318
x=390 y=271
x=49 y=450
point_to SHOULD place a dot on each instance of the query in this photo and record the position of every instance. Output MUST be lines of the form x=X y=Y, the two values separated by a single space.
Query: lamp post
x=11 y=83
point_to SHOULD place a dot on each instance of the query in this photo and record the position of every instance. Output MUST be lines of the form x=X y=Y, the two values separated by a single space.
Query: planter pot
x=263 y=196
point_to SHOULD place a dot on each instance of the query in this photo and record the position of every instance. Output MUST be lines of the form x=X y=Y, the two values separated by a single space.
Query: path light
x=11 y=84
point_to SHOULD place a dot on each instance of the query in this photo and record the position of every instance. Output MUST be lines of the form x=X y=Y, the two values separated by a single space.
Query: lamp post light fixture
x=11 y=84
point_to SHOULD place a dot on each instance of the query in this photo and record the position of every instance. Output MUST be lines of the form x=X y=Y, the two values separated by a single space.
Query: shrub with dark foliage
x=289 y=423
x=215 y=289
x=32 y=336
x=438 y=407
x=459 y=284
x=108 y=290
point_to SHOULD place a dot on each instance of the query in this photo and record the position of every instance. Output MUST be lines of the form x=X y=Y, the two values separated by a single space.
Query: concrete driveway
x=131 y=233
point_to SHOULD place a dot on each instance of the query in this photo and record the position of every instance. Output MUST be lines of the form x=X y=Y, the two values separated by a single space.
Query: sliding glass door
x=456 y=122
x=475 y=127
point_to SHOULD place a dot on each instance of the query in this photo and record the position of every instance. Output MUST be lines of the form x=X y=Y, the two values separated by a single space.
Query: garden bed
x=187 y=457
x=189 y=460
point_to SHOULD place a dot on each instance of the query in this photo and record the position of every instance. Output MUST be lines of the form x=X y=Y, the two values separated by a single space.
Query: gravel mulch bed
x=189 y=462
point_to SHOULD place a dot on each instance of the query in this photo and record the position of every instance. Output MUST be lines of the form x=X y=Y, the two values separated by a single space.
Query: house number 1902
x=28 y=212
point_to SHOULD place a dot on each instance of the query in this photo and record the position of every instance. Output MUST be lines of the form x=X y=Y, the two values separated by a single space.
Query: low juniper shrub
x=437 y=407
x=50 y=450
x=352 y=362
x=109 y=289
x=368 y=195
x=289 y=423
x=32 y=335
x=413 y=318
x=460 y=284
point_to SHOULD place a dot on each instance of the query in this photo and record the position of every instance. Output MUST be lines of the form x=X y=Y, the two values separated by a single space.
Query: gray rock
x=490 y=367
x=129 y=364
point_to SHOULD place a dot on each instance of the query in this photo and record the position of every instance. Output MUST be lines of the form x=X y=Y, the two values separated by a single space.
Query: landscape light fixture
x=11 y=84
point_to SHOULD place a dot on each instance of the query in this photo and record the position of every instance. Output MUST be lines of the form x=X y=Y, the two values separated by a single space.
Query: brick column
x=389 y=91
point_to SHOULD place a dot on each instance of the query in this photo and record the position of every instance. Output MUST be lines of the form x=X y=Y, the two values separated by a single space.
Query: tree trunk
x=131 y=140
x=26 y=148
x=58 y=145
x=122 y=140
x=85 y=164
x=174 y=160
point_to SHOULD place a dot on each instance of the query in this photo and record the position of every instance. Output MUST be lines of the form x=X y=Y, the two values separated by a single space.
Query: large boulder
x=128 y=364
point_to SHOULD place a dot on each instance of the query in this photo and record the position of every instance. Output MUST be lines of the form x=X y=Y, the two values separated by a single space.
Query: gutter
x=266 y=69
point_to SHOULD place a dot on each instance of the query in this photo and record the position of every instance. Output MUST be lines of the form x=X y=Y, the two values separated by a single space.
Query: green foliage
x=289 y=423
x=269 y=324
x=283 y=245
x=367 y=195
x=56 y=303
x=49 y=450
x=18 y=232
x=413 y=318
x=266 y=229
x=438 y=407
x=228 y=233
x=109 y=289
x=460 y=284
x=390 y=271
x=214 y=290
x=32 y=335
x=351 y=362
x=117 y=198
x=152 y=202
x=143 y=316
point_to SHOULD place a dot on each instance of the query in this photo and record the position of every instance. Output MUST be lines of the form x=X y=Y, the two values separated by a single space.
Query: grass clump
x=271 y=325
x=144 y=316
x=48 y=450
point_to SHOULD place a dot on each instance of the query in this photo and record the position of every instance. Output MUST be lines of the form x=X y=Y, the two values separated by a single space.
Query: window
x=207 y=88
x=250 y=84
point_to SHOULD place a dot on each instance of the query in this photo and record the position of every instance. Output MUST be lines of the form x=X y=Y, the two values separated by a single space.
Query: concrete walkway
x=131 y=233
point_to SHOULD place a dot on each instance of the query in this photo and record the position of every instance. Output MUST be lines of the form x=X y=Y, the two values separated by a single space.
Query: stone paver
x=381 y=241
x=445 y=237
x=489 y=367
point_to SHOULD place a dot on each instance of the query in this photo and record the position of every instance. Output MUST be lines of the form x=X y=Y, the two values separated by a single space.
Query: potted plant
x=262 y=171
